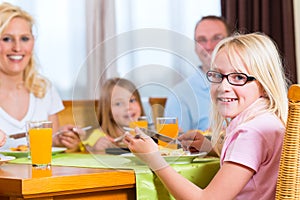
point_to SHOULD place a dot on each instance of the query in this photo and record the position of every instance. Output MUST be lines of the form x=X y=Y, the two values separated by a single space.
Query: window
x=61 y=37
x=157 y=64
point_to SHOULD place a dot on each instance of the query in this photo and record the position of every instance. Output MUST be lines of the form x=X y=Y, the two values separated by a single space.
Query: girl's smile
x=232 y=99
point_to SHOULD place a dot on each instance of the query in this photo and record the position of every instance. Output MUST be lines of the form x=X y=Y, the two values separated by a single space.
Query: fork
x=156 y=135
x=119 y=139
x=73 y=130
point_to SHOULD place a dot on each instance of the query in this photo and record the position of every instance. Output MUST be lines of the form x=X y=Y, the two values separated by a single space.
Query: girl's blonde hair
x=262 y=60
x=106 y=120
x=33 y=81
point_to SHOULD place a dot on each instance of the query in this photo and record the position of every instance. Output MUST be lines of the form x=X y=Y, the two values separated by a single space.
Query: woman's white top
x=39 y=109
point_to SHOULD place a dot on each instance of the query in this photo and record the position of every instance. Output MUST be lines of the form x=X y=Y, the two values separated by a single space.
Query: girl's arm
x=226 y=184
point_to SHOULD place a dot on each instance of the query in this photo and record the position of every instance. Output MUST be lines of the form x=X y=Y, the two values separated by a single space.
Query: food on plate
x=206 y=132
x=172 y=152
x=21 y=147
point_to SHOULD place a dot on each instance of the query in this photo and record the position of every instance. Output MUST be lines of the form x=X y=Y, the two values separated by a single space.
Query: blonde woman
x=249 y=93
x=25 y=95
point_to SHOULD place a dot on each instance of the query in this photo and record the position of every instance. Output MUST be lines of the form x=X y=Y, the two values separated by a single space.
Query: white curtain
x=149 y=42
x=100 y=16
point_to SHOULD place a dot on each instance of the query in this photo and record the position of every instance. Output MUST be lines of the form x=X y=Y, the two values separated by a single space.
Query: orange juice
x=38 y=173
x=167 y=127
x=142 y=122
x=40 y=143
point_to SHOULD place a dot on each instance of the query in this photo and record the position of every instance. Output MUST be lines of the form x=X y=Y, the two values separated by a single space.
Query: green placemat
x=90 y=161
x=148 y=185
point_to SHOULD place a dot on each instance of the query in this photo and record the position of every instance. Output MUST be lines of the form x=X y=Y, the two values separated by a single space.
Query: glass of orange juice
x=167 y=126
x=39 y=173
x=141 y=122
x=39 y=135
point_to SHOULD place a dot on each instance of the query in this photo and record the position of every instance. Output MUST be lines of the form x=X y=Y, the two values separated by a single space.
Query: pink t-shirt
x=256 y=144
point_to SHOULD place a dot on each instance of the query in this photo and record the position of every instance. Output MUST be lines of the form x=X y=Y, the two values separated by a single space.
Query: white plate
x=177 y=159
x=19 y=154
x=4 y=159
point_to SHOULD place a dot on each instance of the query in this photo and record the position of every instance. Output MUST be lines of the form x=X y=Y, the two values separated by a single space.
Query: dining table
x=96 y=176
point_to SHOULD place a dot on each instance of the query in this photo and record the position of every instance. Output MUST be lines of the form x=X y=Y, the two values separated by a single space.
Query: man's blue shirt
x=190 y=102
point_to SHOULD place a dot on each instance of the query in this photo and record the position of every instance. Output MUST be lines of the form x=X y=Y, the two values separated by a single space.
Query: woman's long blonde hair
x=106 y=120
x=262 y=60
x=33 y=81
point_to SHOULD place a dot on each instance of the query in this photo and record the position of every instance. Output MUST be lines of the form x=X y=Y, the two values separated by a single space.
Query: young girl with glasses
x=249 y=95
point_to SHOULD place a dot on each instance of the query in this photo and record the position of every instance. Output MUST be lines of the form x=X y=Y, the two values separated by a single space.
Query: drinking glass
x=141 y=122
x=39 y=135
x=167 y=126
x=39 y=173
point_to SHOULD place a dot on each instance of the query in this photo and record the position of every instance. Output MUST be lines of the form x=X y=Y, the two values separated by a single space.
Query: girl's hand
x=101 y=144
x=141 y=143
x=143 y=147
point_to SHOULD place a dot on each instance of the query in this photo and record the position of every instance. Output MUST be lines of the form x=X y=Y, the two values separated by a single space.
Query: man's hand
x=195 y=141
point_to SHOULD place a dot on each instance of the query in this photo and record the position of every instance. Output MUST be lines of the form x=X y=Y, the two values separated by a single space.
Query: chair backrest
x=79 y=112
x=288 y=182
x=157 y=107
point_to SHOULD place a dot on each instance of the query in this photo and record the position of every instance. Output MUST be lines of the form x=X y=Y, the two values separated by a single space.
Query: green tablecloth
x=148 y=185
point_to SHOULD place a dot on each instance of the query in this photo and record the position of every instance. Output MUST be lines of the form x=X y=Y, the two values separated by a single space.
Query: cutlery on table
x=23 y=134
x=18 y=135
x=73 y=130
x=119 y=139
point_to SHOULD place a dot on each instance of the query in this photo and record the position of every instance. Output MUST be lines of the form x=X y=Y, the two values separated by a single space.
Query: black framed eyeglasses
x=214 y=39
x=238 y=79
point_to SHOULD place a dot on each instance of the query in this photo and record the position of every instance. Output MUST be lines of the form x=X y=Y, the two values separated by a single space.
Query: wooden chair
x=288 y=183
x=157 y=107
x=79 y=112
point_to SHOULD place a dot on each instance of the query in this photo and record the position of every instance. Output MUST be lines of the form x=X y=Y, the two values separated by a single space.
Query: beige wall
x=297 y=35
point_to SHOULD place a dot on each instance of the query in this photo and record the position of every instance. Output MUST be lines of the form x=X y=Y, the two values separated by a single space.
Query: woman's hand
x=68 y=136
x=2 y=138
x=195 y=141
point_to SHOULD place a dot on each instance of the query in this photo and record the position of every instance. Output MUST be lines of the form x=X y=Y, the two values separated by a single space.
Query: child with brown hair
x=119 y=104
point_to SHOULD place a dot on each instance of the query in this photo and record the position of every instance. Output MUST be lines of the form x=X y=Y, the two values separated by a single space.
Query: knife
x=18 y=135
x=155 y=134
x=23 y=134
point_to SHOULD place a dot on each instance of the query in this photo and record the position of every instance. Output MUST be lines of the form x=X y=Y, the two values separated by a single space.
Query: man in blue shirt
x=190 y=100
